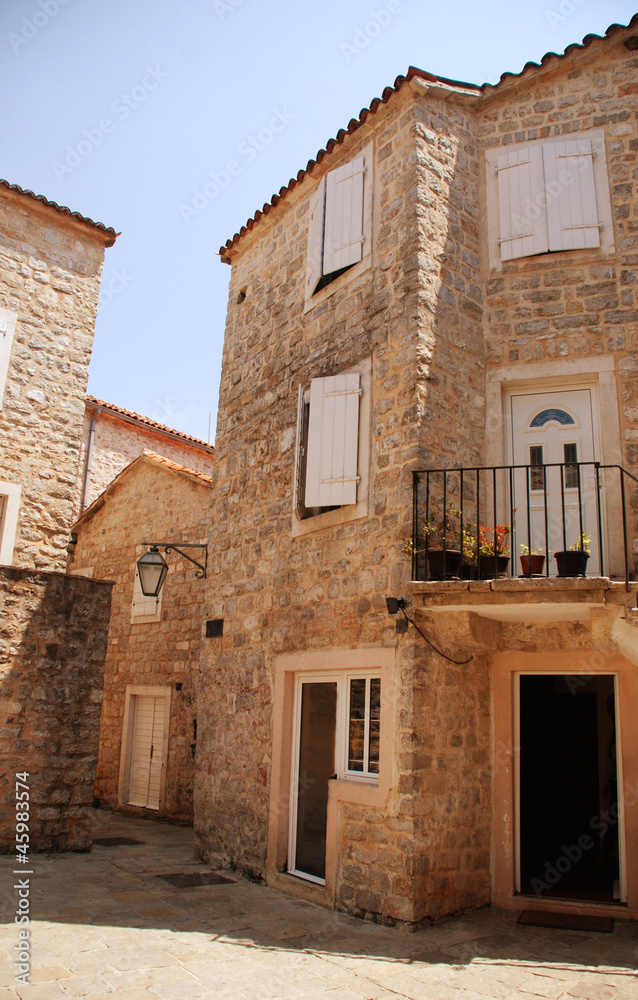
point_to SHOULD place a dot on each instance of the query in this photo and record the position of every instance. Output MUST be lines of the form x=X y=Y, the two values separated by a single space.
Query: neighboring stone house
x=113 y=437
x=148 y=728
x=53 y=629
x=450 y=284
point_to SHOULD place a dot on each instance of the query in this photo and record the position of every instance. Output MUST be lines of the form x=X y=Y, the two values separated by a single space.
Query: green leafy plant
x=443 y=530
x=535 y=552
x=582 y=544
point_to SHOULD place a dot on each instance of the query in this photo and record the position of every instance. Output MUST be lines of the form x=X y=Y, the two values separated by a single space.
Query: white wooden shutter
x=521 y=197
x=147 y=753
x=297 y=496
x=343 y=233
x=572 y=213
x=144 y=606
x=314 y=264
x=333 y=441
x=7 y=331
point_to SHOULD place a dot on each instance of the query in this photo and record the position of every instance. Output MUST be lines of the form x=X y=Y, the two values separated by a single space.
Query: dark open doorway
x=568 y=787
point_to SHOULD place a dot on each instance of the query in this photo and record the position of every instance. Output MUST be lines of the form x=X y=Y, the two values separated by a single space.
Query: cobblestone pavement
x=104 y=925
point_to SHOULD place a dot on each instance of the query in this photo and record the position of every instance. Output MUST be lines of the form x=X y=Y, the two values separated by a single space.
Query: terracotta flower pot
x=491 y=567
x=572 y=562
x=537 y=564
x=444 y=565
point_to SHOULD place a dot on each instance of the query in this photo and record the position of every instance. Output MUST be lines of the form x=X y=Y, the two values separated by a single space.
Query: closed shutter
x=343 y=233
x=147 y=752
x=144 y=606
x=572 y=213
x=314 y=266
x=521 y=196
x=333 y=441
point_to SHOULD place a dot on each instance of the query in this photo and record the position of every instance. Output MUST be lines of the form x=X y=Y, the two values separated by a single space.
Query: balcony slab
x=522 y=599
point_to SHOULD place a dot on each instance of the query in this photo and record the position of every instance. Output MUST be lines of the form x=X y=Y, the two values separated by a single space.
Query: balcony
x=571 y=523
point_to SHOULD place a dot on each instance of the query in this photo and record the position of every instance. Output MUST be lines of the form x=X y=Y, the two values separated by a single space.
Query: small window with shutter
x=552 y=196
x=338 y=228
x=332 y=442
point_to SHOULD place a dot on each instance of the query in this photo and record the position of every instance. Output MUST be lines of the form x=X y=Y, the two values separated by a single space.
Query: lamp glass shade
x=152 y=569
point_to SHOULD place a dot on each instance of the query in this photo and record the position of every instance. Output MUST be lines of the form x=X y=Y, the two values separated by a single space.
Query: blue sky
x=123 y=110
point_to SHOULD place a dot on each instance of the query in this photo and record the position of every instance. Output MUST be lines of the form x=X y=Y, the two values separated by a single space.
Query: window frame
x=302 y=525
x=314 y=297
x=603 y=199
x=344 y=772
x=9 y=513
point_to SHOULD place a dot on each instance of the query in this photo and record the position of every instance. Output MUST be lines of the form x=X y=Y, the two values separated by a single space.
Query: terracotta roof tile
x=153 y=456
x=153 y=425
x=109 y=233
x=365 y=113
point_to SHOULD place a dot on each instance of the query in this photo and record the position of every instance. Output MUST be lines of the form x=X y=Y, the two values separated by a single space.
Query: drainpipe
x=86 y=480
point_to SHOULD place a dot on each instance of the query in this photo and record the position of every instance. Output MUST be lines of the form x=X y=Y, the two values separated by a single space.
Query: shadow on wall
x=53 y=634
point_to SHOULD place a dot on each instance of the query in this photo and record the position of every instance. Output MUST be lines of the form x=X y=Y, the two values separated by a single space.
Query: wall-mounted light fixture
x=396 y=604
x=152 y=568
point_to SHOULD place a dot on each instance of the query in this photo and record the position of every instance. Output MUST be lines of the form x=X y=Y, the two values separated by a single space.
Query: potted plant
x=532 y=563
x=443 y=535
x=493 y=551
x=573 y=562
x=469 y=549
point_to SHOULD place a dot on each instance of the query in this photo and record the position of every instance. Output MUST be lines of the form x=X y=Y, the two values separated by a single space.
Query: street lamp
x=152 y=568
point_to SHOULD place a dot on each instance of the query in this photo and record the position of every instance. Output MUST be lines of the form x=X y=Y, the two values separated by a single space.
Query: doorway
x=568 y=812
x=552 y=429
x=147 y=750
x=314 y=759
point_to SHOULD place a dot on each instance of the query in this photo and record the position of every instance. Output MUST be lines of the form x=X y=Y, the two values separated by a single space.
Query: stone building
x=113 y=437
x=52 y=628
x=50 y=269
x=148 y=728
x=449 y=285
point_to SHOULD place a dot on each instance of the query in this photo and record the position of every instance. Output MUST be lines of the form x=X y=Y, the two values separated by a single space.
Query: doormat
x=116 y=841
x=566 y=921
x=187 y=880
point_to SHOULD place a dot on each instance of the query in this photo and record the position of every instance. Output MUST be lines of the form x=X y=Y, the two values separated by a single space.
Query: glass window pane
x=536 y=475
x=570 y=452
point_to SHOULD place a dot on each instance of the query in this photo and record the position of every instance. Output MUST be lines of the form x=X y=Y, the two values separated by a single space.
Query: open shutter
x=333 y=441
x=314 y=264
x=297 y=496
x=572 y=214
x=521 y=203
x=343 y=234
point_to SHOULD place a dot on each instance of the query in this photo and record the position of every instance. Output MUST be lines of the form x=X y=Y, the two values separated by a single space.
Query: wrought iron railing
x=465 y=517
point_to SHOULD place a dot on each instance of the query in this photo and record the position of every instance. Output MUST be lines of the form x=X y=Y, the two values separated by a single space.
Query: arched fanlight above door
x=545 y=416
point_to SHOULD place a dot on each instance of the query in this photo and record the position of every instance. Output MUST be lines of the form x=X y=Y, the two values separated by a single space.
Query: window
x=339 y=225
x=550 y=196
x=536 y=472
x=9 y=509
x=570 y=457
x=364 y=719
x=331 y=469
x=7 y=330
x=145 y=609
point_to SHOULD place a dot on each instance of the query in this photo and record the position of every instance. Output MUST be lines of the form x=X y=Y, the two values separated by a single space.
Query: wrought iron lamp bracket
x=179 y=548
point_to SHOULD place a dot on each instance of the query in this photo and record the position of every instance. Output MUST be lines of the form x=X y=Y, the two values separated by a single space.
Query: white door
x=555 y=428
x=147 y=751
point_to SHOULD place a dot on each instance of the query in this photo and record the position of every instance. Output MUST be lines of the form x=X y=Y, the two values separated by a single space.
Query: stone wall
x=416 y=313
x=575 y=306
x=52 y=651
x=50 y=268
x=149 y=501
x=117 y=442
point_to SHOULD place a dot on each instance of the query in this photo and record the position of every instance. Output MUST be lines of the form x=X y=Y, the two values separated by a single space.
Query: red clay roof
x=152 y=425
x=356 y=123
x=109 y=233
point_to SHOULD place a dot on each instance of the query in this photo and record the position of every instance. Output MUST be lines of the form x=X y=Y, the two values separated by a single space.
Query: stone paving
x=104 y=925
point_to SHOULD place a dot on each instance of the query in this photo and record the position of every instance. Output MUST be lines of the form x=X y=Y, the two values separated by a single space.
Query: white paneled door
x=147 y=751
x=555 y=429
